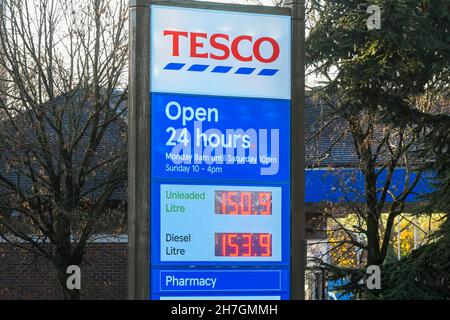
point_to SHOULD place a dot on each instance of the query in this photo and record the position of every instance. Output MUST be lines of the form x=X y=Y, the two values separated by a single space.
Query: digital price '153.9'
x=243 y=202
x=243 y=245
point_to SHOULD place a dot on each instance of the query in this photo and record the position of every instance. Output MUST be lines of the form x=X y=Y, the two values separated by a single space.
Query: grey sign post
x=139 y=166
x=298 y=237
x=139 y=151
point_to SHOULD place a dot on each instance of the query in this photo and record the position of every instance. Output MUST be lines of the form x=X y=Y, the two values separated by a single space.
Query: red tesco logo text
x=221 y=42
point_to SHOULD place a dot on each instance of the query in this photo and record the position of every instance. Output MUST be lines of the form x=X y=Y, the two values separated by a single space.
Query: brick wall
x=103 y=274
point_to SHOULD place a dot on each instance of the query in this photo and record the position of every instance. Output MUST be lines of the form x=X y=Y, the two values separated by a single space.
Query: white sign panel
x=220 y=53
x=220 y=223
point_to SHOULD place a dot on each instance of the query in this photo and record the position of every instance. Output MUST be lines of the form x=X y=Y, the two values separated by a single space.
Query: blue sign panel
x=220 y=194
x=218 y=138
x=179 y=282
x=347 y=185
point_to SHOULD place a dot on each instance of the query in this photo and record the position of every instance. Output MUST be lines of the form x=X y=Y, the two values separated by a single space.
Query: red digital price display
x=243 y=244
x=243 y=202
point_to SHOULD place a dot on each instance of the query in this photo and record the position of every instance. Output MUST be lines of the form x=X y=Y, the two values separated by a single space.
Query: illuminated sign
x=192 y=226
x=220 y=53
x=243 y=244
x=220 y=110
x=207 y=138
x=243 y=202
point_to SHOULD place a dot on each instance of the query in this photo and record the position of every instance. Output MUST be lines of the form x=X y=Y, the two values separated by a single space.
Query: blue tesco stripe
x=174 y=66
x=268 y=72
x=222 y=69
x=198 y=67
x=245 y=70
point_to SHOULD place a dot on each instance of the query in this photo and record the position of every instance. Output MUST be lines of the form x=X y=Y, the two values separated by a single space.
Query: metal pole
x=399 y=245
x=139 y=151
x=298 y=237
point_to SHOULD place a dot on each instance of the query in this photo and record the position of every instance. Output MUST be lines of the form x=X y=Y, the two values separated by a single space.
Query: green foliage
x=438 y=150
x=423 y=275
x=389 y=73
x=381 y=69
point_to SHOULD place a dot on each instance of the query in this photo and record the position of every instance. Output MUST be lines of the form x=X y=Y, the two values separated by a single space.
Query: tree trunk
x=373 y=241
x=373 y=217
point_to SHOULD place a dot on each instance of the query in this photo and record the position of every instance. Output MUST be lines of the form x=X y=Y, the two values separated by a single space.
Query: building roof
x=115 y=136
x=329 y=142
x=329 y=147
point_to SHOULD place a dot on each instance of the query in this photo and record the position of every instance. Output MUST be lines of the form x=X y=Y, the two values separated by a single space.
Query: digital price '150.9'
x=243 y=245
x=243 y=202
